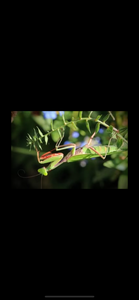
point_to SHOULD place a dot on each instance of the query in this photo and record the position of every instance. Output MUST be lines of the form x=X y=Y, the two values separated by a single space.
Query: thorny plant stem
x=87 y=119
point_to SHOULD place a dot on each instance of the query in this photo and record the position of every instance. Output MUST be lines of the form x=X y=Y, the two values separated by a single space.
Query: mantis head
x=43 y=171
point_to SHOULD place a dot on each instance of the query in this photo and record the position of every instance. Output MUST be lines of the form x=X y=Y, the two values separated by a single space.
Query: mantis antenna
x=26 y=176
x=30 y=176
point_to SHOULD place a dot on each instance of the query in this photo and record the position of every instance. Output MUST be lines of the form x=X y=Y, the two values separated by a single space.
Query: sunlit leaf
x=98 y=117
x=80 y=114
x=119 y=142
x=52 y=125
x=73 y=126
x=63 y=119
x=106 y=118
x=39 y=131
x=88 y=126
x=46 y=139
x=55 y=136
x=123 y=182
x=97 y=127
x=40 y=140
x=110 y=129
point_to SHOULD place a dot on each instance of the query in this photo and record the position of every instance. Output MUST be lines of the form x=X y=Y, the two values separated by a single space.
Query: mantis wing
x=89 y=153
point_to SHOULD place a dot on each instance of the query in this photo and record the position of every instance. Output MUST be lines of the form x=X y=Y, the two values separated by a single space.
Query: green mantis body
x=85 y=152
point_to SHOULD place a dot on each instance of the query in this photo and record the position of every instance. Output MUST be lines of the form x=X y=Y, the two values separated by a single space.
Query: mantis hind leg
x=87 y=146
x=103 y=157
x=92 y=136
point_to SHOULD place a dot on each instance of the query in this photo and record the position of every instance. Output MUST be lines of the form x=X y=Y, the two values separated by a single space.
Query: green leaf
x=29 y=141
x=123 y=182
x=59 y=133
x=124 y=147
x=46 y=139
x=39 y=145
x=105 y=118
x=64 y=119
x=35 y=137
x=110 y=129
x=109 y=164
x=29 y=137
x=40 y=140
x=119 y=143
x=97 y=127
x=55 y=136
x=73 y=126
x=80 y=114
x=122 y=166
x=98 y=117
x=123 y=131
x=90 y=114
x=35 y=133
x=39 y=131
x=88 y=126
x=52 y=125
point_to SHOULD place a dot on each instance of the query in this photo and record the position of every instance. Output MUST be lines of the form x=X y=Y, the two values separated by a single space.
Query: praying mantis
x=85 y=152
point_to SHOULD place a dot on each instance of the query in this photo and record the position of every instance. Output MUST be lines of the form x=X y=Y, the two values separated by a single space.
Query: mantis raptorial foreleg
x=54 y=159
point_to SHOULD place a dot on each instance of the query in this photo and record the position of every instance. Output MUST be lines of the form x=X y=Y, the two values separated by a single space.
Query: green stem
x=23 y=150
x=79 y=120
x=88 y=119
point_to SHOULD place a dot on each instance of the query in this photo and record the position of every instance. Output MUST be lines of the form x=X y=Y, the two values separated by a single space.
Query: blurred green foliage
x=111 y=173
